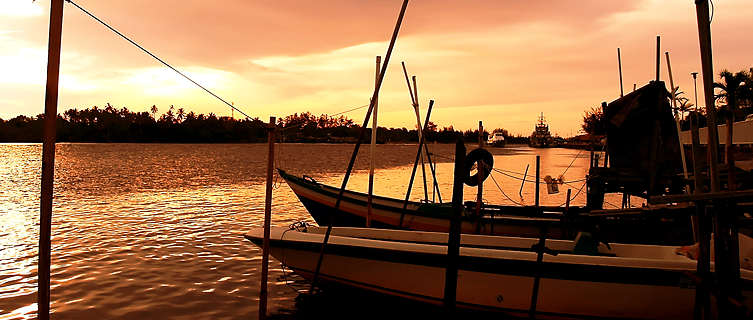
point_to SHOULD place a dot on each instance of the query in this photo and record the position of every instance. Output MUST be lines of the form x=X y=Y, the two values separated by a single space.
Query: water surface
x=154 y=231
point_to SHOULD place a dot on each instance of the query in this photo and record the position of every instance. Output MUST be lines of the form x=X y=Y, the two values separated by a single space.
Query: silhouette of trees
x=110 y=124
x=594 y=122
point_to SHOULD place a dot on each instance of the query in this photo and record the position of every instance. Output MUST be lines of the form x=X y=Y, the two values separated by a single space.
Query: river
x=154 y=231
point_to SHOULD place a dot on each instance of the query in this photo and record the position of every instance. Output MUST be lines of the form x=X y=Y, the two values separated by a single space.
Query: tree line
x=110 y=124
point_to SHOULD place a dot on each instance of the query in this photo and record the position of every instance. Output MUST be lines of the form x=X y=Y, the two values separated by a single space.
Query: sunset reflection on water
x=149 y=230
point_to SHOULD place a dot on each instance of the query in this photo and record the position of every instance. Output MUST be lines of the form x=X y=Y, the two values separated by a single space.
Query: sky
x=502 y=62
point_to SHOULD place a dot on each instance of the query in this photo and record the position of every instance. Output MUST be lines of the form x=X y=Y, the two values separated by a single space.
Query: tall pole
x=481 y=172
x=372 y=150
x=707 y=72
x=619 y=65
x=267 y=220
x=725 y=267
x=353 y=156
x=677 y=121
x=658 y=56
x=420 y=137
x=48 y=158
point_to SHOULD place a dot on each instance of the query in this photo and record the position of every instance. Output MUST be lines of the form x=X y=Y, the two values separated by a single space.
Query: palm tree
x=154 y=112
x=733 y=86
x=181 y=114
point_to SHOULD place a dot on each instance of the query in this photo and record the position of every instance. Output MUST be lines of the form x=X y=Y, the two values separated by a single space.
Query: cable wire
x=155 y=57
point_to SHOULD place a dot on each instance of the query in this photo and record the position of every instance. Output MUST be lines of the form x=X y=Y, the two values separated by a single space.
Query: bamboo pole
x=677 y=122
x=48 y=159
x=707 y=68
x=414 y=103
x=358 y=143
x=420 y=137
x=415 y=166
x=267 y=219
x=453 y=239
x=372 y=149
x=619 y=66
x=725 y=268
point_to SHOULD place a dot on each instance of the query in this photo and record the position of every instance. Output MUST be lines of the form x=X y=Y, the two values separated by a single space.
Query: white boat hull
x=494 y=279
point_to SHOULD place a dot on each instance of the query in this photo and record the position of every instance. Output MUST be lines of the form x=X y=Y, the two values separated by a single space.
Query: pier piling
x=538 y=176
x=48 y=159
x=267 y=219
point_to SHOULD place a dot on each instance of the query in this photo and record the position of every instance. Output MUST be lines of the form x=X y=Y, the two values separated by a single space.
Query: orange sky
x=502 y=62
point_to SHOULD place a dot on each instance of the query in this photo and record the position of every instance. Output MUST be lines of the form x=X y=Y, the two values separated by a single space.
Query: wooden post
x=538 y=175
x=707 y=68
x=353 y=156
x=634 y=85
x=453 y=240
x=725 y=268
x=481 y=171
x=606 y=143
x=703 y=226
x=658 y=56
x=267 y=219
x=48 y=159
x=525 y=175
x=619 y=65
x=415 y=165
x=372 y=150
x=673 y=90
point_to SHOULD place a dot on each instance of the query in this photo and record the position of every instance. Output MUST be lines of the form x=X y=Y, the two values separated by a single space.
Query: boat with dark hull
x=663 y=225
x=541 y=137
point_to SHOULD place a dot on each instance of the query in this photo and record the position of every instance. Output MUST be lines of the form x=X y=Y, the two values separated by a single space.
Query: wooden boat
x=497 y=273
x=660 y=226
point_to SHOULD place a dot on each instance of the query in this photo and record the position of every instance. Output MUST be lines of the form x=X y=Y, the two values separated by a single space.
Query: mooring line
x=155 y=57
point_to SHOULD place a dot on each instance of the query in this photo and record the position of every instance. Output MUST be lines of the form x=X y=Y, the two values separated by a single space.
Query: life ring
x=480 y=156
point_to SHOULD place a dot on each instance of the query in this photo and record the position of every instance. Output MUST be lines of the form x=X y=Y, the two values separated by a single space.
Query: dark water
x=154 y=231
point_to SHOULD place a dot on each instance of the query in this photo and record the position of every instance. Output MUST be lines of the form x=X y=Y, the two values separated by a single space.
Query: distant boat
x=541 y=138
x=496 y=139
x=577 y=278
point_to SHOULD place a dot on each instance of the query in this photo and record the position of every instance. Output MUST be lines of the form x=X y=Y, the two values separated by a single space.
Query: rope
x=155 y=57
x=349 y=110
x=576 y=194
x=503 y=192
x=571 y=162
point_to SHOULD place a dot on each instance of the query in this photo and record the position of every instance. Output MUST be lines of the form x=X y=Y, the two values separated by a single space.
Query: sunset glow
x=499 y=62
